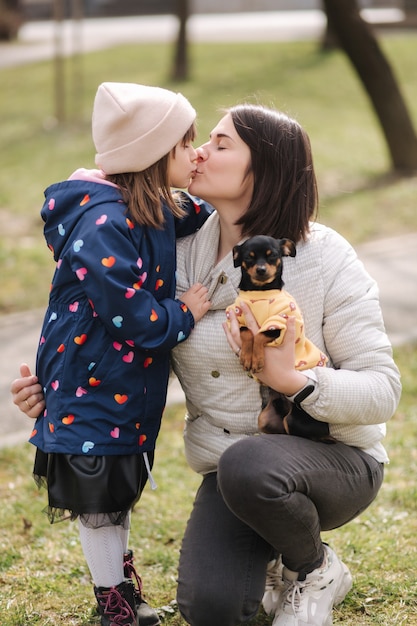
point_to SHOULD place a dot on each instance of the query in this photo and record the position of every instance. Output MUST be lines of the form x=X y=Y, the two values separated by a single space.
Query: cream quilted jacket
x=357 y=392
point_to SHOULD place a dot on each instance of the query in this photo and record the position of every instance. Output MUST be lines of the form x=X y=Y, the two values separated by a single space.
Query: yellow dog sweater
x=271 y=310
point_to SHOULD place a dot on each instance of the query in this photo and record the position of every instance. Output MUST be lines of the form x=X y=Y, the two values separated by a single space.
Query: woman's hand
x=279 y=371
x=27 y=393
x=232 y=331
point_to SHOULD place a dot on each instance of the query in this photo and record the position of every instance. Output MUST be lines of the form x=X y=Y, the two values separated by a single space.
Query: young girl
x=103 y=357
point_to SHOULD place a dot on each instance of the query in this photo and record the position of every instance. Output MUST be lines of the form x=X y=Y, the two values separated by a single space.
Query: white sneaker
x=310 y=602
x=275 y=586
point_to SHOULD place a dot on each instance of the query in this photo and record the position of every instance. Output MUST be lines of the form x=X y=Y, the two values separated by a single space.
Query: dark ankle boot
x=146 y=615
x=117 y=604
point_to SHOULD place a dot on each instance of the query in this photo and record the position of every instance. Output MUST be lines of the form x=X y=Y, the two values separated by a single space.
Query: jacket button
x=215 y=374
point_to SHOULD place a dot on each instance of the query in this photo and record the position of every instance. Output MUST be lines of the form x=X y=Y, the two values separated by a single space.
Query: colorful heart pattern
x=81 y=273
x=87 y=446
x=115 y=433
x=80 y=339
x=68 y=419
x=108 y=261
x=118 y=321
x=101 y=220
x=109 y=264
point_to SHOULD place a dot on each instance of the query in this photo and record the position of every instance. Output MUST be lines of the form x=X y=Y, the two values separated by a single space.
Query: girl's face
x=223 y=163
x=182 y=165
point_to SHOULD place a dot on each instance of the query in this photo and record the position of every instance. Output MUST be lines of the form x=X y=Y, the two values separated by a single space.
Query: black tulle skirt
x=101 y=490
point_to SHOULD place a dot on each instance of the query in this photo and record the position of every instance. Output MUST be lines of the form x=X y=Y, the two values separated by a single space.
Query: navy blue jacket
x=103 y=356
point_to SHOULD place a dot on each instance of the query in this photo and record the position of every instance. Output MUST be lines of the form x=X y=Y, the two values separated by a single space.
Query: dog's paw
x=257 y=366
x=247 y=366
x=245 y=359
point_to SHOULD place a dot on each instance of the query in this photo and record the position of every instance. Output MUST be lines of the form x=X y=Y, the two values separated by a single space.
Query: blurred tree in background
x=11 y=18
x=181 y=69
x=345 y=28
x=357 y=40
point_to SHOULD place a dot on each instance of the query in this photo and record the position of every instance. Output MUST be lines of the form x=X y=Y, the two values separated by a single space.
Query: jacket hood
x=67 y=201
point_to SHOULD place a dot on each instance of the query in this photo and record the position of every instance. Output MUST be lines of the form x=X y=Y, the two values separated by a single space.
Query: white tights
x=103 y=550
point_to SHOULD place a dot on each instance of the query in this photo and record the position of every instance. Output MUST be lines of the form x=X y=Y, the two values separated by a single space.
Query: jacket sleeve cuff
x=307 y=390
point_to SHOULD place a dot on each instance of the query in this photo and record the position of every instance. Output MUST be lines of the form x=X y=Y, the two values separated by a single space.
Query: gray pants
x=273 y=494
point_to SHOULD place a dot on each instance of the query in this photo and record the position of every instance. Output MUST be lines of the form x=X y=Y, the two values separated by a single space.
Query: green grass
x=44 y=578
x=359 y=197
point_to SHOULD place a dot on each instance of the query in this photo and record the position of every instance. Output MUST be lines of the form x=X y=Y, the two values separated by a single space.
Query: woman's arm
x=362 y=386
x=341 y=308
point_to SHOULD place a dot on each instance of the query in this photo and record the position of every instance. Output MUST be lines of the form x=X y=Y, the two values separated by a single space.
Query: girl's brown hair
x=285 y=196
x=144 y=192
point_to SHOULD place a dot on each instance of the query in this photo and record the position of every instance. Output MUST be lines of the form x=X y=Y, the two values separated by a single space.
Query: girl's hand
x=27 y=393
x=196 y=300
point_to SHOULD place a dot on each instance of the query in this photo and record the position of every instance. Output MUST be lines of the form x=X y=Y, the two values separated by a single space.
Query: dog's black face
x=261 y=260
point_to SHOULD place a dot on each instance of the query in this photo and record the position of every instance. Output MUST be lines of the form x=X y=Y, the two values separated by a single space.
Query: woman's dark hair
x=285 y=196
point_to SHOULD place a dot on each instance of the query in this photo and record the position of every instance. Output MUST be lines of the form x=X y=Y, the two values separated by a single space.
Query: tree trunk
x=59 y=82
x=181 y=66
x=11 y=19
x=361 y=46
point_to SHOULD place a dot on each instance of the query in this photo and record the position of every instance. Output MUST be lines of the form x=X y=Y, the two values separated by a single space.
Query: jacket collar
x=221 y=279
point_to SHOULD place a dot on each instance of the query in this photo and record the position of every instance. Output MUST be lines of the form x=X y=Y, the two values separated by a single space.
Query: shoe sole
x=345 y=585
x=343 y=589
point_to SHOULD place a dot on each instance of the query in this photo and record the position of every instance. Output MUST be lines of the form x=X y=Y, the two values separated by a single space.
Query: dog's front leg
x=260 y=340
x=245 y=355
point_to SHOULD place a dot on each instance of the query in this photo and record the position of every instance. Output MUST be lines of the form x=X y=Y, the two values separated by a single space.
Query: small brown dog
x=261 y=288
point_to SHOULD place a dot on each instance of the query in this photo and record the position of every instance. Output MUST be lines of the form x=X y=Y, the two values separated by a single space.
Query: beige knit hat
x=134 y=125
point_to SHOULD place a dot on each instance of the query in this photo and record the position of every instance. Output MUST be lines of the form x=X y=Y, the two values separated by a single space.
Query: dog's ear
x=287 y=247
x=237 y=257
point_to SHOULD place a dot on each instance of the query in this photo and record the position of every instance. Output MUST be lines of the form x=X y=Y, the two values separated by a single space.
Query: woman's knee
x=241 y=470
